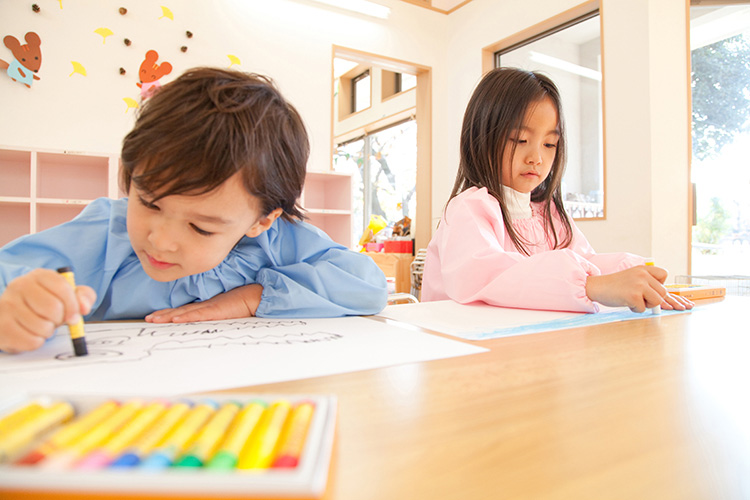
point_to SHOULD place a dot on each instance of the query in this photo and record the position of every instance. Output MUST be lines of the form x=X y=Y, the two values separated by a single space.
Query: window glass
x=720 y=88
x=571 y=57
x=361 y=92
x=385 y=164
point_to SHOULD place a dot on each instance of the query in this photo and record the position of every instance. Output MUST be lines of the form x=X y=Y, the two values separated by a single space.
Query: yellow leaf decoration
x=77 y=68
x=60 y=3
x=234 y=60
x=132 y=103
x=166 y=13
x=104 y=32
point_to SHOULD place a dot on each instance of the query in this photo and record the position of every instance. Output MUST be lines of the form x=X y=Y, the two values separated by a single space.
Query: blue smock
x=304 y=274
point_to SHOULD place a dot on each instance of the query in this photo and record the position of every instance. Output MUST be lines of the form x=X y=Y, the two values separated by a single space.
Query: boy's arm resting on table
x=307 y=276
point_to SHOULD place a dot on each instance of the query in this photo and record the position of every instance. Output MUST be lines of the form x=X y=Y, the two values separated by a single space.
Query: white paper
x=482 y=321
x=144 y=358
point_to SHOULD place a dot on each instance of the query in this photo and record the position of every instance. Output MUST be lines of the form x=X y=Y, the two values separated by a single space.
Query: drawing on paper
x=125 y=343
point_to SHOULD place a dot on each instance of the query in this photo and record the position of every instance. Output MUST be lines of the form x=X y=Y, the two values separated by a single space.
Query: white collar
x=517 y=204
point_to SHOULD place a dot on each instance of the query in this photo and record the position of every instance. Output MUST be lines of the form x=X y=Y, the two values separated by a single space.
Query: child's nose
x=162 y=237
x=534 y=156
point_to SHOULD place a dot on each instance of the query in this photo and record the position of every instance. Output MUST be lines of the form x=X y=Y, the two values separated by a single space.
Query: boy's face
x=181 y=235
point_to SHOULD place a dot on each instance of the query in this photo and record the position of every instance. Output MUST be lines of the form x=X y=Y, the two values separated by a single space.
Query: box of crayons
x=239 y=445
x=694 y=292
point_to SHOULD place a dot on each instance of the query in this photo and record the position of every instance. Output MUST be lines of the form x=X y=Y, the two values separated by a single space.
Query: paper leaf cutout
x=77 y=68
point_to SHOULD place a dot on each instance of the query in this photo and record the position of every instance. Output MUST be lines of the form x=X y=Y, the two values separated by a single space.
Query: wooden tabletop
x=657 y=408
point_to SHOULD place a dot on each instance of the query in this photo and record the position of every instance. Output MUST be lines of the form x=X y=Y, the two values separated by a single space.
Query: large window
x=720 y=169
x=571 y=55
x=384 y=165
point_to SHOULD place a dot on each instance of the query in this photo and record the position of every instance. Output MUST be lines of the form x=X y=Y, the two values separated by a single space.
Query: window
x=571 y=55
x=405 y=81
x=720 y=173
x=384 y=165
x=361 y=92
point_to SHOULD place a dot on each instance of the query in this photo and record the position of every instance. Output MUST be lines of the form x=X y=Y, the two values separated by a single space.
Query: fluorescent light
x=360 y=6
x=576 y=69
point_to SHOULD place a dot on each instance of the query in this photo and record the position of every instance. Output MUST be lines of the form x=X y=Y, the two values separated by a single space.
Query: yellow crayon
x=655 y=309
x=14 y=443
x=258 y=453
x=294 y=435
x=71 y=432
x=180 y=437
x=154 y=436
x=228 y=453
x=77 y=333
x=12 y=420
x=208 y=439
x=93 y=437
x=108 y=451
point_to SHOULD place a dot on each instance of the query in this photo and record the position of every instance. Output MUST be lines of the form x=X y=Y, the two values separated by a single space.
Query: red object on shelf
x=398 y=246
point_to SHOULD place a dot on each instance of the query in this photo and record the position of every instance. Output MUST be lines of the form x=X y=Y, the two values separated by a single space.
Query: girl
x=213 y=170
x=505 y=238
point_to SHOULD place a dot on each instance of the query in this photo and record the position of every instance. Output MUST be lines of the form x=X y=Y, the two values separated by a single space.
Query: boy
x=213 y=170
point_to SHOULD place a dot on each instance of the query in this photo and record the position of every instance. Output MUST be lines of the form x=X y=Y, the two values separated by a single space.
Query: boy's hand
x=33 y=305
x=639 y=288
x=242 y=302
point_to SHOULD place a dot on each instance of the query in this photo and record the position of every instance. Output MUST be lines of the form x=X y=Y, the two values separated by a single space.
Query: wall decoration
x=233 y=60
x=35 y=8
x=123 y=11
x=132 y=103
x=166 y=13
x=104 y=32
x=77 y=68
x=150 y=73
x=27 y=59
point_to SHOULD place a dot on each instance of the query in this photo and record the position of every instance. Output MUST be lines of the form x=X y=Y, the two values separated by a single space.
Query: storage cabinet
x=327 y=199
x=41 y=189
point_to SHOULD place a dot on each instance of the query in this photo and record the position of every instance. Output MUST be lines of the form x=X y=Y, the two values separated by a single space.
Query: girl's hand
x=242 y=302
x=638 y=288
x=35 y=304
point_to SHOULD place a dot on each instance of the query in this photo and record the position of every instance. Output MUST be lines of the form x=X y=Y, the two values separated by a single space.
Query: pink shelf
x=71 y=176
x=16 y=221
x=16 y=173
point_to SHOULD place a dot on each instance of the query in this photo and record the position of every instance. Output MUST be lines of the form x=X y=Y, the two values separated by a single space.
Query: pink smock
x=471 y=258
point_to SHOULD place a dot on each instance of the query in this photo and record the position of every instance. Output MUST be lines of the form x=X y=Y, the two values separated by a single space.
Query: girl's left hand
x=242 y=302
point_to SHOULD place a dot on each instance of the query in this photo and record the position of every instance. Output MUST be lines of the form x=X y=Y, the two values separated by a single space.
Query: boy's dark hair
x=201 y=129
x=496 y=109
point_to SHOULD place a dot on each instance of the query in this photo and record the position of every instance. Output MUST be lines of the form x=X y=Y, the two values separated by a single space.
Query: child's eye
x=200 y=231
x=550 y=145
x=147 y=204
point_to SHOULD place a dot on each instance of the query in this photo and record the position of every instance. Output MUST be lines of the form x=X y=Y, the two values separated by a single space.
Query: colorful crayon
x=258 y=453
x=114 y=446
x=180 y=438
x=70 y=433
x=294 y=435
x=209 y=438
x=12 y=444
x=93 y=437
x=153 y=437
x=228 y=454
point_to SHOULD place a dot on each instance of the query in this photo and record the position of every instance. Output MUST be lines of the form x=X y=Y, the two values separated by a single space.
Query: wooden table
x=651 y=409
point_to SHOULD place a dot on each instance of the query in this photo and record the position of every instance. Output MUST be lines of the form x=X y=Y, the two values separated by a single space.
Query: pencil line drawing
x=116 y=344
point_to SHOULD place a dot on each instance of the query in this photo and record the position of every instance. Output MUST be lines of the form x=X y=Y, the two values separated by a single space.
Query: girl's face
x=536 y=148
x=181 y=235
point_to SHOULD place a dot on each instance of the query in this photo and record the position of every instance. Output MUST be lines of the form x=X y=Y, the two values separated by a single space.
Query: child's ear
x=264 y=223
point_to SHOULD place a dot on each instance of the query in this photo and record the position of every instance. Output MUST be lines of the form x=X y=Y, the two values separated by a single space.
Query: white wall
x=291 y=40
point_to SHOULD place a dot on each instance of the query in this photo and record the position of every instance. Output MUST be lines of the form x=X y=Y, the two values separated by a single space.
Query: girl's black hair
x=495 y=111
